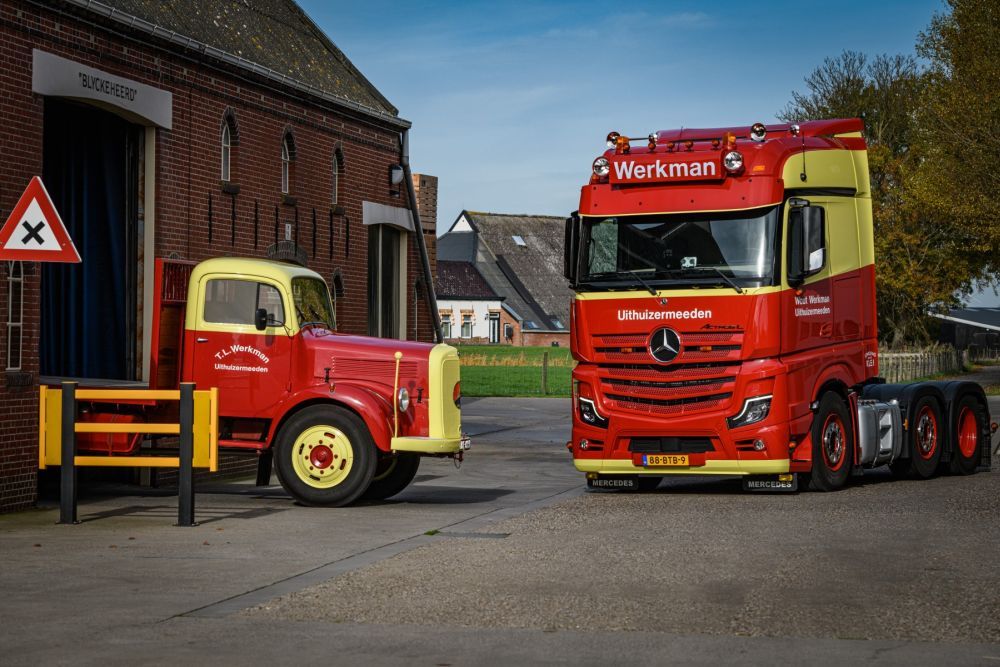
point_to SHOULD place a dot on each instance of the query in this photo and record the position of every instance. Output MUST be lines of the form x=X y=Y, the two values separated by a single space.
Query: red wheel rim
x=834 y=442
x=968 y=433
x=927 y=433
x=321 y=456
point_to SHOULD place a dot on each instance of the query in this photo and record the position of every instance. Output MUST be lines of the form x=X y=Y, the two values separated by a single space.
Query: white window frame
x=227 y=151
x=15 y=284
x=446 y=326
x=466 y=320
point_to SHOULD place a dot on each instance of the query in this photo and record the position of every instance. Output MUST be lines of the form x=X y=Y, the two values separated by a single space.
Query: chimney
x=426 y=189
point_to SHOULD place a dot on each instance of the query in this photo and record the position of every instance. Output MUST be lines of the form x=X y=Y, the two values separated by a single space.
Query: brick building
x=186 y=130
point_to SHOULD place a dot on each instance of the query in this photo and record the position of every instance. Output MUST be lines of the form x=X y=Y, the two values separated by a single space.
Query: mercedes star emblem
x=664 y=345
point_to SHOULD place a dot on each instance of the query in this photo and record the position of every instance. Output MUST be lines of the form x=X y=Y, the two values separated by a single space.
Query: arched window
x=230 y=141
x=287 y=163
x=226 y=150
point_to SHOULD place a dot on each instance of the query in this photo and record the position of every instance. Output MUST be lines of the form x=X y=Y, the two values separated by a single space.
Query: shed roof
x=275 y=34
x=984 y=318
x=461 y=280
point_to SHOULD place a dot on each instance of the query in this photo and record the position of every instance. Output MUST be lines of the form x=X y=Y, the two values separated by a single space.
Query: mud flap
x=783 y=483
x=617 y=482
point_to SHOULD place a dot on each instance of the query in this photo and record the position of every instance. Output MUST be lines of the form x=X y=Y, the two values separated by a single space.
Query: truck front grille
x=668 y=390
x=696 y=347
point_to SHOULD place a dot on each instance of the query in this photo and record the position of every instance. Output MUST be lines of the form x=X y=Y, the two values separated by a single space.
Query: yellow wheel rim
x=322 y=456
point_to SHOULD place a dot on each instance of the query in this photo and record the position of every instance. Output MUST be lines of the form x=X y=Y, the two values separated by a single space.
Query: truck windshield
x=736 y=249
x=312 y=302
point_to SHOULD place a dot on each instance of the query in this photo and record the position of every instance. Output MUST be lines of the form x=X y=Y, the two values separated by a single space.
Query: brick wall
x=188 y=183
x=544 y=339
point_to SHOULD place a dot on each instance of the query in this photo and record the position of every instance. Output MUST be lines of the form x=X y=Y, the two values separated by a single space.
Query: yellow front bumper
x=429 y=445
x=711 y=467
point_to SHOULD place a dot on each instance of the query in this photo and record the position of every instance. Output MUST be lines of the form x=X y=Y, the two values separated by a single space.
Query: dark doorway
x=91 y=169
x=383 y=281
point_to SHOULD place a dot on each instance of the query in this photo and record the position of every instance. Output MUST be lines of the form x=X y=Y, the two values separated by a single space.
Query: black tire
x=832 y=444
x=392 y=475
x=324 y=456
x=924 y=440
x=647 y=484
x=967 y=436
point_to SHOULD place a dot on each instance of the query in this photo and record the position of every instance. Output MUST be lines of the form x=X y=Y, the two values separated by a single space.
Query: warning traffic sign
x=34 y=231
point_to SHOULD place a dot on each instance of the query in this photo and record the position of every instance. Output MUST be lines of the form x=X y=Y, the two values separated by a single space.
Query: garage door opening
x=89 y=311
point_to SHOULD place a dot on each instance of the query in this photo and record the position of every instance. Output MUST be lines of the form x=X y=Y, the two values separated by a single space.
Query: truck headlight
x=754 y=410
x=589 y=413
x=403 y=399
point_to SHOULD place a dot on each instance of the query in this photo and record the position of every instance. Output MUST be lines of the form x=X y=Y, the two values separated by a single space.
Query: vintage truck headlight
x=754 y=410
x=403 y=399
x=589 y=414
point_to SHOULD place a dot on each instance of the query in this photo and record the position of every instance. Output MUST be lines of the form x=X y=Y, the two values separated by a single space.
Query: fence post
x=545 y=373
x=185 y=481
x=67 y=469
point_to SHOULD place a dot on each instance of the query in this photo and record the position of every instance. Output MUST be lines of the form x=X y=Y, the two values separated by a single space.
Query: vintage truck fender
x=370 y=406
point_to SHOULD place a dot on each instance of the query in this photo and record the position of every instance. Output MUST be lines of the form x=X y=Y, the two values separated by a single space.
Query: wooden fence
x=906 y=366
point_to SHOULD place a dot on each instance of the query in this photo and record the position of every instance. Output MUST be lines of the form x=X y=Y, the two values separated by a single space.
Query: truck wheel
x=392 y=475
x=325 y=456
x=924 y=437
x=832 y=444
x=966 y=436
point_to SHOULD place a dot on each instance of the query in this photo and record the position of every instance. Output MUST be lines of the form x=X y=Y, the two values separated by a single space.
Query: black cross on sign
x=33 y=232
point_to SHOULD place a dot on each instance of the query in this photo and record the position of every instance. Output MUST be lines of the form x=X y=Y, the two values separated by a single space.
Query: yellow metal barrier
x=197 y=431
x=206 y=431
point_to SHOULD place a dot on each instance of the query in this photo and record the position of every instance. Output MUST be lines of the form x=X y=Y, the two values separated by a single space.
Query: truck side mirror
x=806 y=243
x=260 y=319
x=571 y=250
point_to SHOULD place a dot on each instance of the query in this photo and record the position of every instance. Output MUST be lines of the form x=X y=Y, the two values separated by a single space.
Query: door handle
x=201 y=340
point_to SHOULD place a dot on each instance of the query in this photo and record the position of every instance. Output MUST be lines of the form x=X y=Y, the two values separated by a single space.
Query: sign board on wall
x=60 y=77
x=34 y=231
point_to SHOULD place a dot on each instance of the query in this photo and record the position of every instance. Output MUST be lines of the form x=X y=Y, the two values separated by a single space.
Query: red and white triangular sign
x=34 y=231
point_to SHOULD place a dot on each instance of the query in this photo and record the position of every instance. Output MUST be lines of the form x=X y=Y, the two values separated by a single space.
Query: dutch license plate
x=665 y=460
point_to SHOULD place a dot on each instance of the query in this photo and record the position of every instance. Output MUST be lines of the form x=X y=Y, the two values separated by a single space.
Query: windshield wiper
x=729 y=281
x=626 y=274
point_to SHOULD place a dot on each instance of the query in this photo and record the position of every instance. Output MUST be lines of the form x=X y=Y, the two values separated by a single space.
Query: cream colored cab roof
x=252 y=267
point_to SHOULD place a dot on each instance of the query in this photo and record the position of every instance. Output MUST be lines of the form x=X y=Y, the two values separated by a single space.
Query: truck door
x=250 y=367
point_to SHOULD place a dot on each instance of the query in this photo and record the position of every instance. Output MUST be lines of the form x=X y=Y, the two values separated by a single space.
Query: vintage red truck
x=724 y=321
x=346 y=417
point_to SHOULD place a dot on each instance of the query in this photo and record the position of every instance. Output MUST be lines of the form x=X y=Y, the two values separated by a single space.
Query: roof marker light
x=612 y=139
x=670 y=145
x=794 y=129
x=652 y=141
x=729 y=141
x=689 y=144
x=758 y=132
x=715 y=143
x=622 y=146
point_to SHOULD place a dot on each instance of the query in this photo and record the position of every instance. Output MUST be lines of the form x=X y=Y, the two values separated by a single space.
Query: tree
x=959 y=118
x=919 y=263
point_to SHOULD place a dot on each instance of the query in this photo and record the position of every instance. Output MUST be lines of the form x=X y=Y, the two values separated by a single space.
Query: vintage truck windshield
x=684 y=248
x=312 y=302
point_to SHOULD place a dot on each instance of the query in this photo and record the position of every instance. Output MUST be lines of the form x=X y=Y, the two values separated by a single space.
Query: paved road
x=523 y=568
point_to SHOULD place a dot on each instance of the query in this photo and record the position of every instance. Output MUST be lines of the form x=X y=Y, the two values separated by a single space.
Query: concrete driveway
x=507 y=561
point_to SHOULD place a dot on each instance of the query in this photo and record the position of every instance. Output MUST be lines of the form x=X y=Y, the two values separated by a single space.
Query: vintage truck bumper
x=431 y=445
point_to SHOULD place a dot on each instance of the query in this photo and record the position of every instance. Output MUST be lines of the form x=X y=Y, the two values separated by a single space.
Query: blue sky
x=511 y=101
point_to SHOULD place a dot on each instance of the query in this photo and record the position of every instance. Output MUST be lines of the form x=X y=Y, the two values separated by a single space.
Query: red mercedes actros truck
x=724 y=319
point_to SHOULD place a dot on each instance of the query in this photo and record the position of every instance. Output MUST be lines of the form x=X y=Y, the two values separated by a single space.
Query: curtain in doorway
x=86 y=307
